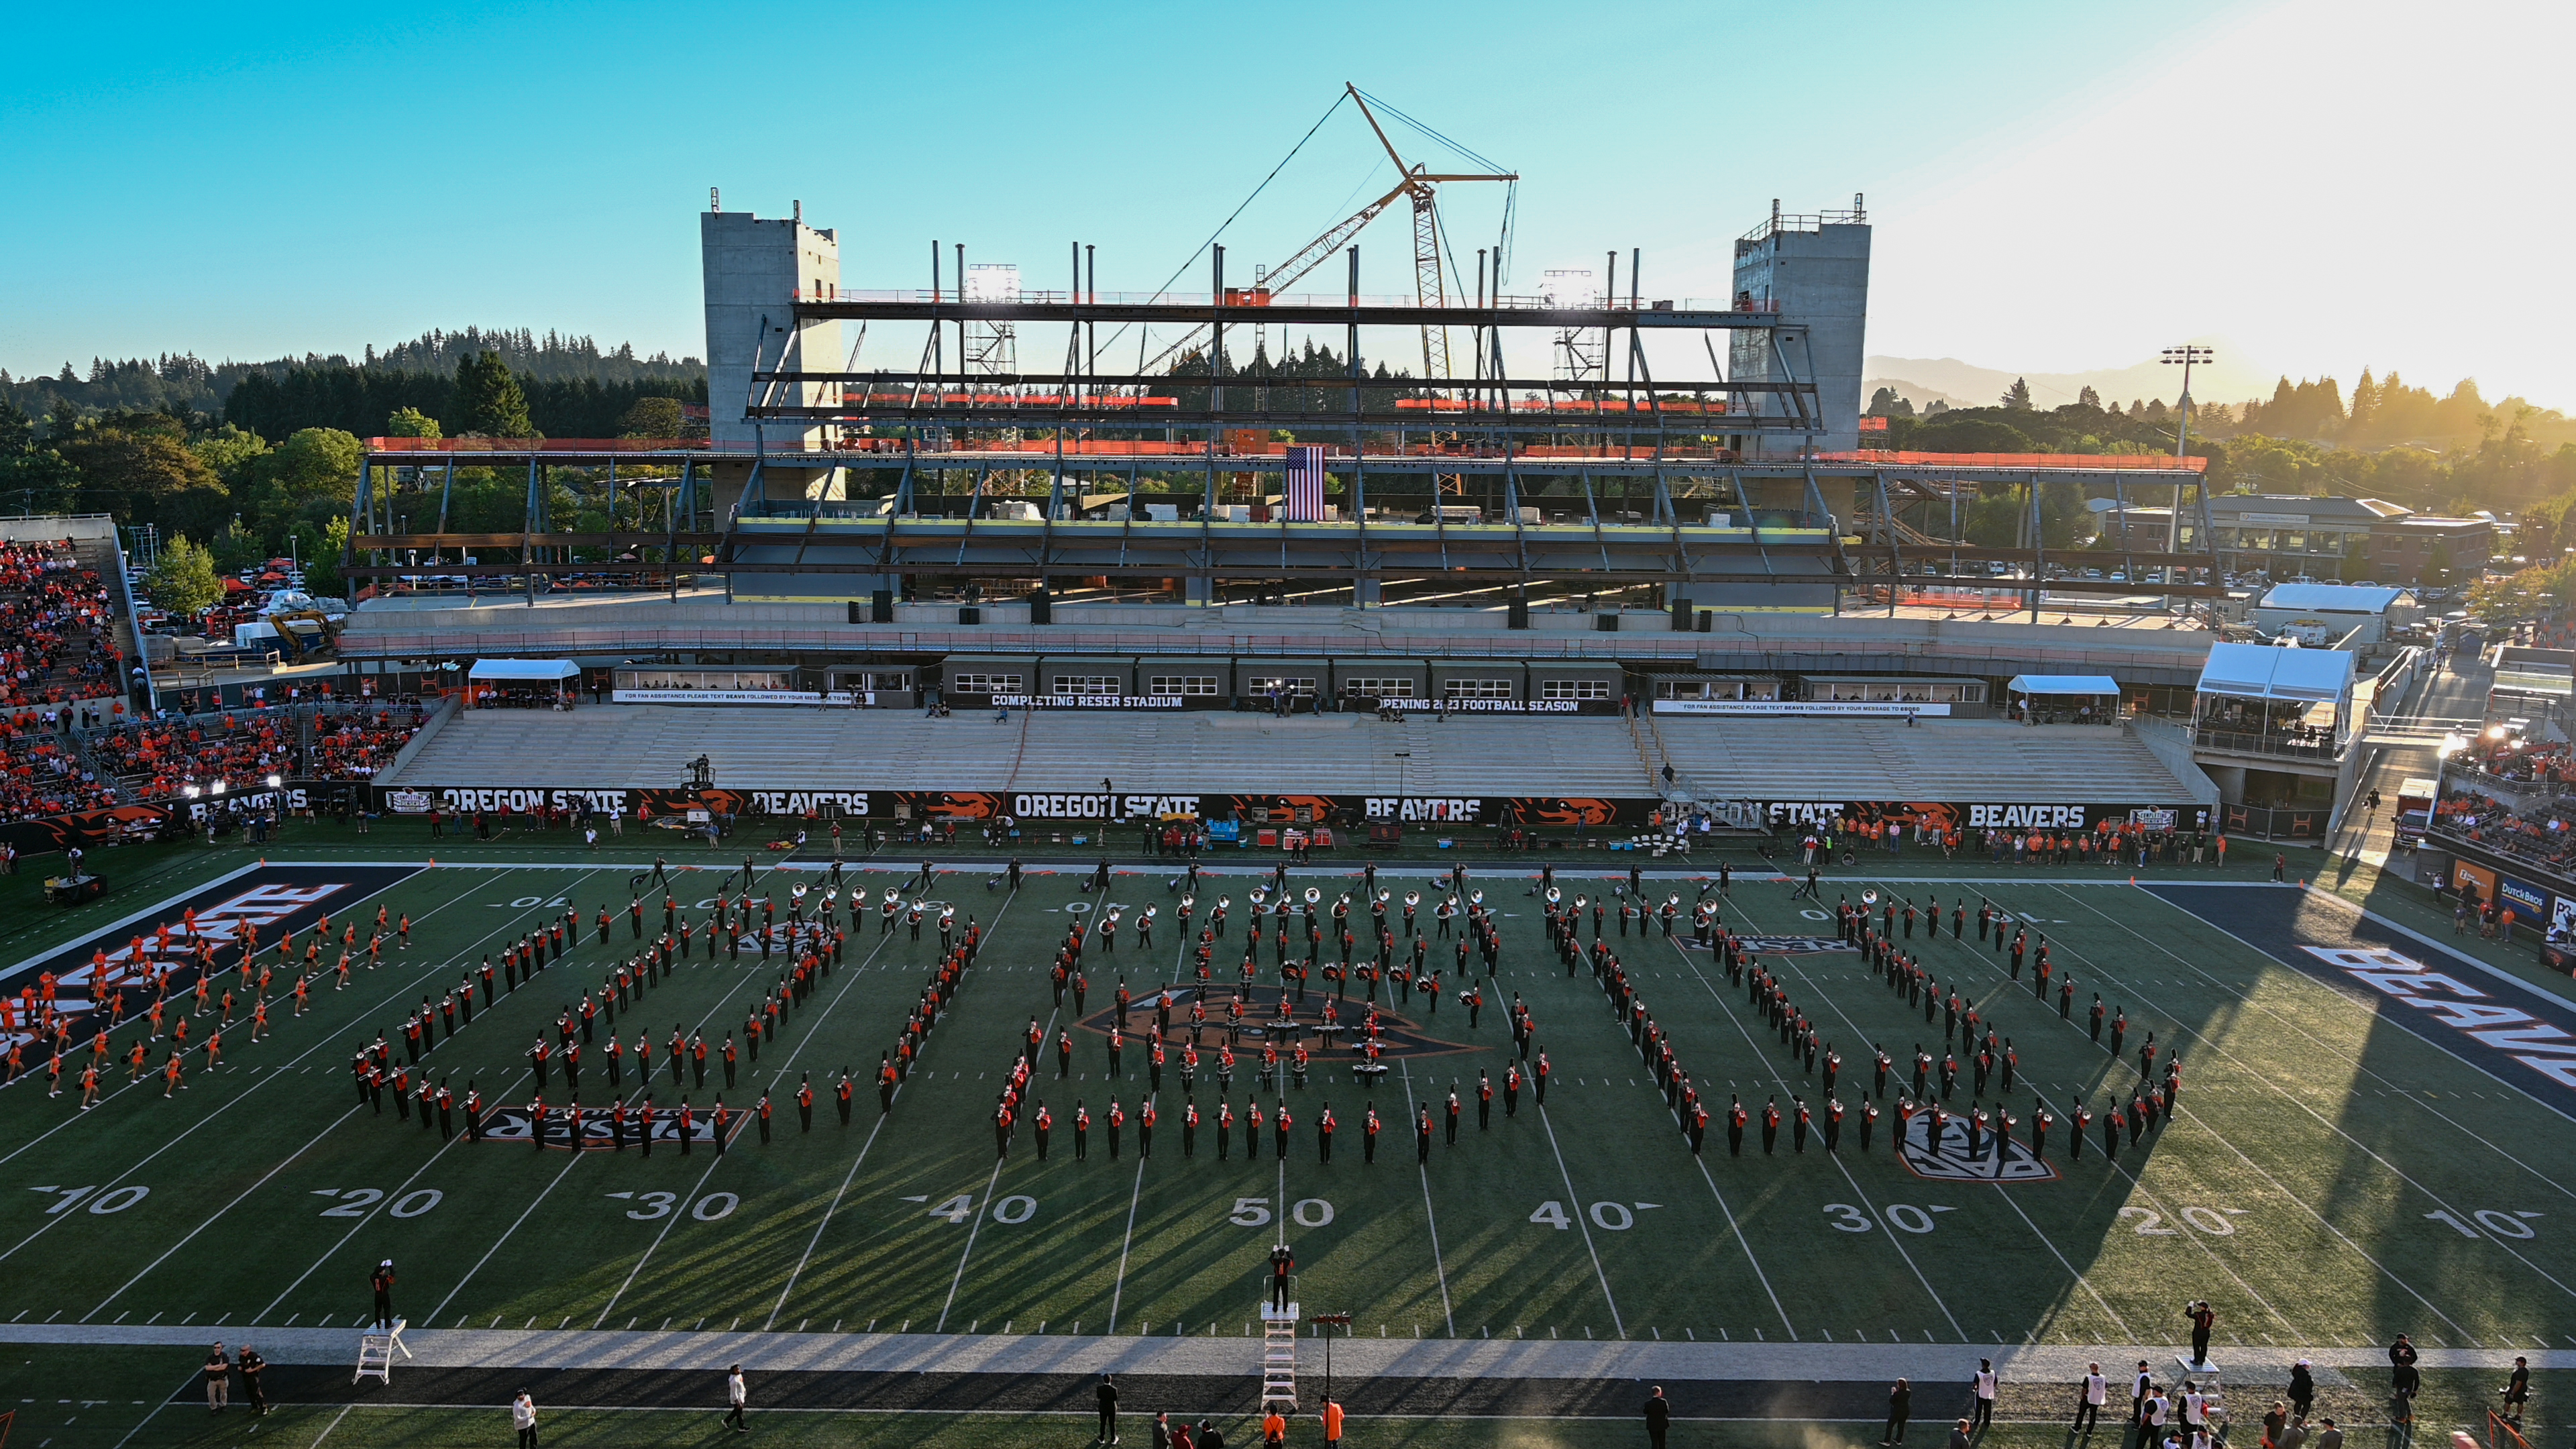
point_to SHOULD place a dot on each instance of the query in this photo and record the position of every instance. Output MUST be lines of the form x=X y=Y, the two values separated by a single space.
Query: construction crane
x=1420 y=185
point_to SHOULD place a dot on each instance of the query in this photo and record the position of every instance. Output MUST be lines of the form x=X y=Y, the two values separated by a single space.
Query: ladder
x=1279 y=1352
x=376 y=1354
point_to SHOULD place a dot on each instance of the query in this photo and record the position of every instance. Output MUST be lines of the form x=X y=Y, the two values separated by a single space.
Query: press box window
x=1476 y=689
x=1576 y=689
x=1185 y=684
x=1379 y=688
x=1084 y=684
x=984 y=683
x=1301 y=688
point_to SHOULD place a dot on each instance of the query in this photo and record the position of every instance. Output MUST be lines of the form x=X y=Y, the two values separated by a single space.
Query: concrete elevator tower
x=1814 y=271
x=755 y=271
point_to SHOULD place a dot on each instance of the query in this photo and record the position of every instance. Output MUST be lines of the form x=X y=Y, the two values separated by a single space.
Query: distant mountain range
x=1925 y=380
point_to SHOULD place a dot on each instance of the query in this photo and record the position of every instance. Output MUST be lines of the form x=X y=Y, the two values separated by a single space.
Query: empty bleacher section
x=1884 y=759
x=1168 y=753
x=1339 y=755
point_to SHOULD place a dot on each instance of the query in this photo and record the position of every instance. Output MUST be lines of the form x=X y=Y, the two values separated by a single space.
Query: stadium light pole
x=2185 y=357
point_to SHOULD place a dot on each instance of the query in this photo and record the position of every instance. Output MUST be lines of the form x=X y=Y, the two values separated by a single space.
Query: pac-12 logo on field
x=1996 y=1160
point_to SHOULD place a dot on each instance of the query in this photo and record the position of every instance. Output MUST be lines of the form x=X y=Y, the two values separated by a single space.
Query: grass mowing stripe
x=396 y=1195
x=1572 y=1196
x=2322 y=1221
x=2005 y=1196
x=185 y=1132
x=1424 y=1168
x=1731 y=1225
x=282 y=1164
x=846 y=1178
x=1727 y=1008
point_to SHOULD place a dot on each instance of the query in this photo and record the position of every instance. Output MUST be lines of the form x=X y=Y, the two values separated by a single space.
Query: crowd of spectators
x=2546 y=836
x=40 y=773
x=161 y=759
x=54 y=640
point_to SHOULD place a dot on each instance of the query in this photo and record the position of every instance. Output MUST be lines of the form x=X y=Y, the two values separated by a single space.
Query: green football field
x=2332 y=1177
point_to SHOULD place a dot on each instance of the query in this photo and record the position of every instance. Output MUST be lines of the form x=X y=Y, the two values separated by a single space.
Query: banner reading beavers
x=1545 y=812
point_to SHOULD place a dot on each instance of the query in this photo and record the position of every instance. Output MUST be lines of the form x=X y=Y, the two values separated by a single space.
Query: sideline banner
x=1267 y=808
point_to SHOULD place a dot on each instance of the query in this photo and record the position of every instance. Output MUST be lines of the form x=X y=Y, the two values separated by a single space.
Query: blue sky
x=2055 y=186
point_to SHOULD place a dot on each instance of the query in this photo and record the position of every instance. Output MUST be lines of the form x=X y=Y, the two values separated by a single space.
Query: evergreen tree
x=489 y=403
x=2017 y=397
x=2088 y=398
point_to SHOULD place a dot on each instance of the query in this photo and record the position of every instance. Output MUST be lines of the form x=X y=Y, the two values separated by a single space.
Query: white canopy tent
x=523 y=670
x=2274 y=699
x=526 y=683
x=2090 y=698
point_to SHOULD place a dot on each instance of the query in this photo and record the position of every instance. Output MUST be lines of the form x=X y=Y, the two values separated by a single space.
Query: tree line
x=219 y=481
x=183 y=382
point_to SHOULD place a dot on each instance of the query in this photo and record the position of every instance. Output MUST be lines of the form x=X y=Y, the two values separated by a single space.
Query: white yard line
x=184 y=1133
x=1437 y=1267
x=1118 y=1293
x=835 y=1206
x=282 y=1164
x=2302 y=979
x=146 y=1080
x=2002 y=1193
x=810 y=1034
x=2304 y=1206
x=1575 y=1202
x=1885 y=1230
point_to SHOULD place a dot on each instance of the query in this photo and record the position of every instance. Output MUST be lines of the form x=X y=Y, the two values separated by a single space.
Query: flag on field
x=1304 y=498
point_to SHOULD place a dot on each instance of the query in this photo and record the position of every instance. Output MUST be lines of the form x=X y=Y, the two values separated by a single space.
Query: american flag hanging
x=1304 y=498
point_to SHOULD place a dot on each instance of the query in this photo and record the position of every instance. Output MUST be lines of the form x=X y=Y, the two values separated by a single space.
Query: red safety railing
x=2140 y=462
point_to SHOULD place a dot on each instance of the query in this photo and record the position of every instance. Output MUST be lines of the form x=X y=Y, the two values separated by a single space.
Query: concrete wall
x=754 y=270
x=1820 y=279
x=2170 y=743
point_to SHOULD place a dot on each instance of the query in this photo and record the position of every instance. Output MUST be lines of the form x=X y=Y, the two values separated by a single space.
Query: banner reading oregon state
x=1551 y=812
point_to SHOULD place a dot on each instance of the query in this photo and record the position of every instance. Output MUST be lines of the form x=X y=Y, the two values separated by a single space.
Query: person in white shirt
x=2088 y=1407
x=523 y=1417
x=2151 y=1420
x=1984 y=1384
x=735 y=1395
